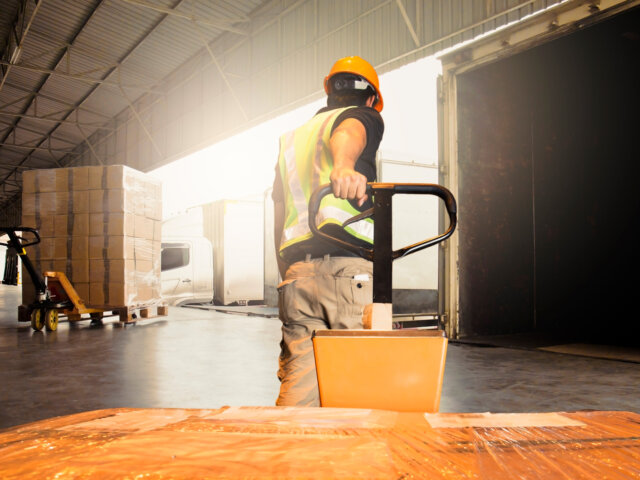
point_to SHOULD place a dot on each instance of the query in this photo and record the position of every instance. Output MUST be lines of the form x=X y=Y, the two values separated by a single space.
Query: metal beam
x=12 y=167
x=67 y=48
x=144 y=128
x=14 y=101
x=53 y=120
x=82 y=78
x=14 y=55
x=39 y=134
x=407 y=21
x=30 y=93
x=86 y=140
x=221 y=71
x=221 y=24
x=12 y=183
x=36 y=148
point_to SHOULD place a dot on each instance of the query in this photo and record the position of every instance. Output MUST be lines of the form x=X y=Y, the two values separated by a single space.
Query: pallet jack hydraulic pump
x=379 y=367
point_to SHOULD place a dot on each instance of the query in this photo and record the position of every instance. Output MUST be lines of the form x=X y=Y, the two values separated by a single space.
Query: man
x=325 y=287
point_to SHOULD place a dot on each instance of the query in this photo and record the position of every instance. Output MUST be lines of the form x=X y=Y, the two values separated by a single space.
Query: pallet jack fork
x=54 y=292
x=379 y=367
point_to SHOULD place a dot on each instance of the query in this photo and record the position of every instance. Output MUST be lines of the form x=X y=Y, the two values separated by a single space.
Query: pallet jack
x=378 y=367
x=54 y=292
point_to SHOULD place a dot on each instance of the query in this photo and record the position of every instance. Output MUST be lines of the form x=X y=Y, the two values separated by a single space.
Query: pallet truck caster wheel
x=37 y=319
x=51 y=320
x=96 y=319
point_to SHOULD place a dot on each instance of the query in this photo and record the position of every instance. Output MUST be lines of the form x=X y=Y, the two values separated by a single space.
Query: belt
x=307 y=257
x=316 y=249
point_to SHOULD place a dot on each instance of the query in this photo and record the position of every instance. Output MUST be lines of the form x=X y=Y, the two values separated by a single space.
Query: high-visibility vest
x=305 y=163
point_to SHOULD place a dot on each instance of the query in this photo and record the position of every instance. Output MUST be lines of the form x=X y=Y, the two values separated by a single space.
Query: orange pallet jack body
x=61 y=290
x=400 y=370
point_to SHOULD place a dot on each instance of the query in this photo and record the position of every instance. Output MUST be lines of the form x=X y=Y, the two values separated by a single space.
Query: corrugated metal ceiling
x=77 y=76
x=70 y=66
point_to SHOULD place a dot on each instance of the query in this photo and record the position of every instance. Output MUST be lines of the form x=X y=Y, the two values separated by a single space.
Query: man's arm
x=347 y=144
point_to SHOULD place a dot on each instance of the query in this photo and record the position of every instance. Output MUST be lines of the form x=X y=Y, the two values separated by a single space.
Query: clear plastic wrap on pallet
x=99 y=225
x=314 y=443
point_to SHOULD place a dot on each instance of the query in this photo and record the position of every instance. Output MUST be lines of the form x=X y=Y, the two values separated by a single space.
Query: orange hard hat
x=357 y=66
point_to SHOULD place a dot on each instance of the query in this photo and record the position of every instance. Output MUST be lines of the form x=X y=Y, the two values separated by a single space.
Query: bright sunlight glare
x=243 y=165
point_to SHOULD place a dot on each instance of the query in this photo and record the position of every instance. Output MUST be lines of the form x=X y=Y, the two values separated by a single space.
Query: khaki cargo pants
x=317 y=294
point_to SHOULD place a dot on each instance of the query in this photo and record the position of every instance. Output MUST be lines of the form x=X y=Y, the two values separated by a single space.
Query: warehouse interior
x=539 y=276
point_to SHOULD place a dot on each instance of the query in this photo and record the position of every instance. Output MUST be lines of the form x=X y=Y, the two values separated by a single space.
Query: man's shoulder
x=353 y=111
x=369 y=117
x=365 y=112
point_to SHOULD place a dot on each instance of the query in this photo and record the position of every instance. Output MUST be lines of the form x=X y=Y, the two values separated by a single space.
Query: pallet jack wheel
x=51 y=320
x=96 y=319
x=37 y=319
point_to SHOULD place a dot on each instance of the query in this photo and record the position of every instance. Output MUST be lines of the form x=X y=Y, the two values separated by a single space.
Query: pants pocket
x=284 y=298
x=362 y=291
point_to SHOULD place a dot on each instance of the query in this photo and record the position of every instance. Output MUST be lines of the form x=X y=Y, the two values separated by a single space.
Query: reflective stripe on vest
x=305 y=163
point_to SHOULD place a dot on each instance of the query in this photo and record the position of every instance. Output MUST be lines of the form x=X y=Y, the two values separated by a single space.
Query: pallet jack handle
x=18 y=243
x=382 y=208
x=382 y=255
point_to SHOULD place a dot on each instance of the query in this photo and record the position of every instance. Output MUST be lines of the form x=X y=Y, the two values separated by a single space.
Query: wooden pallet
x=129 y=315
x=126 y=315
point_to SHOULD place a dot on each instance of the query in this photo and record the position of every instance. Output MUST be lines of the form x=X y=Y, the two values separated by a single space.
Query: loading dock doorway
x=548 y=159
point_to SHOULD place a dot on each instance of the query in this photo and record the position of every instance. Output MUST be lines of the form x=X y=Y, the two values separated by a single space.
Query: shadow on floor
x=556 y=344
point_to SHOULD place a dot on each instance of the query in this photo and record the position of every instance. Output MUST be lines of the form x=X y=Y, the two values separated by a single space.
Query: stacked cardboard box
x=101 y=227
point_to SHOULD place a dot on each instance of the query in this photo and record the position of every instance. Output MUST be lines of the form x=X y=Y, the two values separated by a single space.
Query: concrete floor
x=206 y=359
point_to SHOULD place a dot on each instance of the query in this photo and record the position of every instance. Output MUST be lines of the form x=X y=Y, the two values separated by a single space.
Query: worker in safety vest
x=325 y=287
